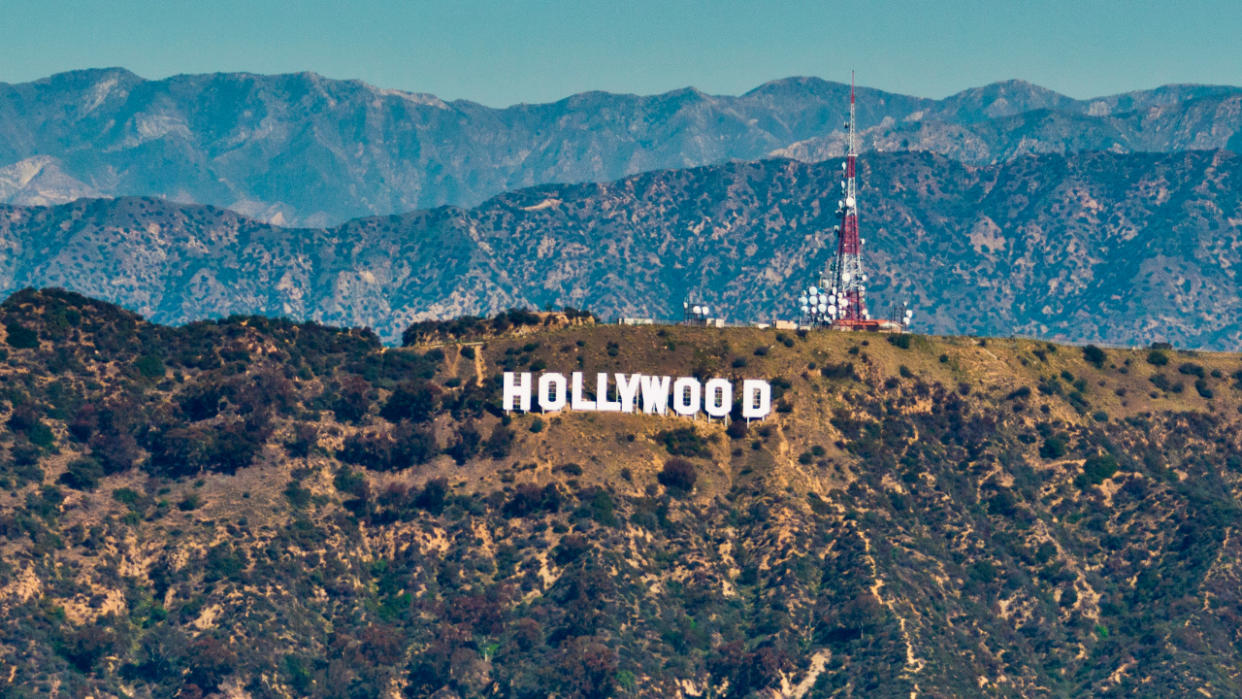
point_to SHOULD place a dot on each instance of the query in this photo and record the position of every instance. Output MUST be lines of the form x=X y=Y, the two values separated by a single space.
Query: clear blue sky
x=500 y=53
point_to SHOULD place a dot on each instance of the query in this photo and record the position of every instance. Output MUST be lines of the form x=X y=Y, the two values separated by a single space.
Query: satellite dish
x=697 y=310
x=842 y=165
x=814 y=290
x=841 y=204
x=845 y=276
x=849 y=201
x=706 y=310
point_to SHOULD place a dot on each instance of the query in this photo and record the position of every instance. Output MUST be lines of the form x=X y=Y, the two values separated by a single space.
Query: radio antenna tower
x=841 y=299
x=847 y=279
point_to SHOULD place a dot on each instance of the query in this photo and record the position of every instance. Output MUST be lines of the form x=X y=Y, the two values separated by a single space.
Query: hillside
x=257 y=507
x=1107 y=248
x=301 y=149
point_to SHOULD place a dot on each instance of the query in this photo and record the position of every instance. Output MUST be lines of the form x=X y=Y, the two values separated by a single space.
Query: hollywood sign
x=629 y=393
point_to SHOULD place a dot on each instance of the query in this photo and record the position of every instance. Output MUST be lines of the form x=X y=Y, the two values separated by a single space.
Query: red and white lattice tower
x=847 y=280
x=840 y=300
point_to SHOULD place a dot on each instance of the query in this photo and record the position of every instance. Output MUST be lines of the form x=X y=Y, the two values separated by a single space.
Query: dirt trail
x=479 y=367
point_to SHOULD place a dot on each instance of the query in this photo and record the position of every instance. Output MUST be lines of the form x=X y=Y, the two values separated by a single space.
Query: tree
x=416 y=401
x=678 y=475
x=82 y=474
x=500 y=443
x=352 y=399
x=21 y=337
x=1094 y=355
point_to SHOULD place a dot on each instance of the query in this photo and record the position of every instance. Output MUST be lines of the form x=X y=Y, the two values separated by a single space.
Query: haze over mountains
x=301 y=149
x=263 y=507
x=1113 y=248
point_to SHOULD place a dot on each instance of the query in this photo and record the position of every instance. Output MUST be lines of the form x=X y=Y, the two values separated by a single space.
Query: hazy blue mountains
x=301 y=149
x=1104 y=247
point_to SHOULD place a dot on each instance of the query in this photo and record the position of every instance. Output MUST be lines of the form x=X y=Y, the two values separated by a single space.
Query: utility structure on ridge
x=840 y=300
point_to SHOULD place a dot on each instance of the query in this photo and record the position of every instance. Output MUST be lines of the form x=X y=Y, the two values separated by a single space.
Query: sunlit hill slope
x=255 y=507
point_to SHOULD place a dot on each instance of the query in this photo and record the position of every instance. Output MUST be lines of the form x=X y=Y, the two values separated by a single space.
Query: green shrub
x=1191 y=369
x=1164 y=383
x=150 y=366
x=298 y=495
x=684 y=441
x=571 y=548
x=1094 y=355
x=82 y=474
x=21 y=337
x=407 y=445
x=901 y=340
x=466 y=446
x=1097 y=469
x=416 y=400
x=223 y=562
x=1202 y=387
x=603 y=509
x=678 y=475
x=1020 y=392
x=1157 y=358
x=126 y=496
x=1054 y=447
x=529 y=499
x=350 y=481
x=844 y=370
x=499 y=443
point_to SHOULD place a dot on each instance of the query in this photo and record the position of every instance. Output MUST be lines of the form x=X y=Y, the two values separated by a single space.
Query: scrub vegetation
x=256 y=506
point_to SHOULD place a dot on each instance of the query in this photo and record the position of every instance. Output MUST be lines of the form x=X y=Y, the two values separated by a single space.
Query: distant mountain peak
x=305 y=149
x=81 y=78
x=797 y=83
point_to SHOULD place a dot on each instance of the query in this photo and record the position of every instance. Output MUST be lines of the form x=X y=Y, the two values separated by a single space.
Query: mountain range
x=237 y=500
x=1100 y=247
x=301 y=149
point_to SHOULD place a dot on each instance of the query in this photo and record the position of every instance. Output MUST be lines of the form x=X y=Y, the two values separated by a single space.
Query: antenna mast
x=847 y=280
x=840 y=299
